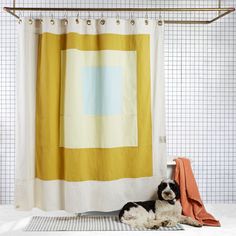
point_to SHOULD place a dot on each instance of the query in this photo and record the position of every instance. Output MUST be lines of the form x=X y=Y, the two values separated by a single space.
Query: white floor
x=12 y=222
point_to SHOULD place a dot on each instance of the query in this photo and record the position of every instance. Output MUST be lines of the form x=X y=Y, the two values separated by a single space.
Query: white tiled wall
x=200 y=67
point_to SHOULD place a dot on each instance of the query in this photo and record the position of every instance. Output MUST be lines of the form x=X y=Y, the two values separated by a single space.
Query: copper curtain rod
x=221 y=12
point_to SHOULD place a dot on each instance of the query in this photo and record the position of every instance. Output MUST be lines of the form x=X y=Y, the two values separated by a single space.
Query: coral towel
x=189 y=195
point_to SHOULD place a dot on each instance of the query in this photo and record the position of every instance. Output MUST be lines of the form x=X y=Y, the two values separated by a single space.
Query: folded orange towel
x=189 y=194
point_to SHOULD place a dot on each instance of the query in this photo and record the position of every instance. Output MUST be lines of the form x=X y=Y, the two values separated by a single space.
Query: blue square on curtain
x=102 y=90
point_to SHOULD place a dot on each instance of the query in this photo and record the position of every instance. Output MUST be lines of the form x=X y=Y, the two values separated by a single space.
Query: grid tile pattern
x=200 y=69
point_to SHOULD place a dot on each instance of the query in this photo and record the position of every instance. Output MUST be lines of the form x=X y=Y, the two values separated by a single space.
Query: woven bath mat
x=84 y=223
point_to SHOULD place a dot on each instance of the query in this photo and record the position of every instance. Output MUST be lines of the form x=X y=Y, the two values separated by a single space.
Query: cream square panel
x=98 y=99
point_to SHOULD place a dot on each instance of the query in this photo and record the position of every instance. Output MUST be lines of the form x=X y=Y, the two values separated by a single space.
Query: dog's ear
x=160 y=188
x=177 y=190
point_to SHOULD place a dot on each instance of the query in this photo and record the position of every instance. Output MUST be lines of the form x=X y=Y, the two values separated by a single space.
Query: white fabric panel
x=25 y=116
x=158 y=103
x=86 y=195
x=93 y=195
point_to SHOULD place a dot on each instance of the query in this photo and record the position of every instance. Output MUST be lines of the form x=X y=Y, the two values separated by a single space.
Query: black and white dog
x=166 y=211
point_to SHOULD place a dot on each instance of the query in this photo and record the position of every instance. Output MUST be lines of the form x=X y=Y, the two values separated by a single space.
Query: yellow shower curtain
x=98 y=90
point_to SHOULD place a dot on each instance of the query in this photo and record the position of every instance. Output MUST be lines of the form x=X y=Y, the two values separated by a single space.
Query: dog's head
x=168 y=190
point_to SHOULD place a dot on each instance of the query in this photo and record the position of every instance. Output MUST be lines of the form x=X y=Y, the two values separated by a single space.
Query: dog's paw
x=150 y=224
x=164 y=223
x=168 y=223
x=155 y=227
x=196 y=223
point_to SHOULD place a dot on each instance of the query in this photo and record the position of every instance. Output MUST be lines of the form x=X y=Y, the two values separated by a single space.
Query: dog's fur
x=166 y=211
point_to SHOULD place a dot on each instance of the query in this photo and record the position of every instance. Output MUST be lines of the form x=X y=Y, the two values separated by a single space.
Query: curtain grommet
x=77 y=21
x=132 y=22
x=65 y=22
x=88 y=22
x=19 y=21
x=31 y=21
x=41 y=21
x=146 y=22
x=52 y=22
x=117 y=22
x=102 y=22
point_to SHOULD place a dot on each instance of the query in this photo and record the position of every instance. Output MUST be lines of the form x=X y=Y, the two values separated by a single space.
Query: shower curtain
x=90 y=113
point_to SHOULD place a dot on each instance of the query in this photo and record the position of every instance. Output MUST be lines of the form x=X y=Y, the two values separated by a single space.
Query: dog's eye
x=173 y=186
x=164 y=185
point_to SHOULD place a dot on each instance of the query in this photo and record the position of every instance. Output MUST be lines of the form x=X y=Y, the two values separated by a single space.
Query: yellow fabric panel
x=54 y=162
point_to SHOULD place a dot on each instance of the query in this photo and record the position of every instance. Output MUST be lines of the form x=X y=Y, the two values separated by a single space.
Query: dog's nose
x=167 y=193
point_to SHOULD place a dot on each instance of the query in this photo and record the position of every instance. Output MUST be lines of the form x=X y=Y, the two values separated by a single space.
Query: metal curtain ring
x=30 y=19
x=77 y=19
x=117 y=19
x=65 y=19
x=52 y=20
x=146 y=19
x=19 y=19
x=160 y=22
x=41 y=18
x=132 y=22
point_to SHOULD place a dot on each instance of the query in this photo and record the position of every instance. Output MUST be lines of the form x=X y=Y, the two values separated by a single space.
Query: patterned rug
x=84 y=223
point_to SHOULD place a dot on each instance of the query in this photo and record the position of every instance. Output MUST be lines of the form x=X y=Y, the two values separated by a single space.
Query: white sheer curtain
x=37 y=186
